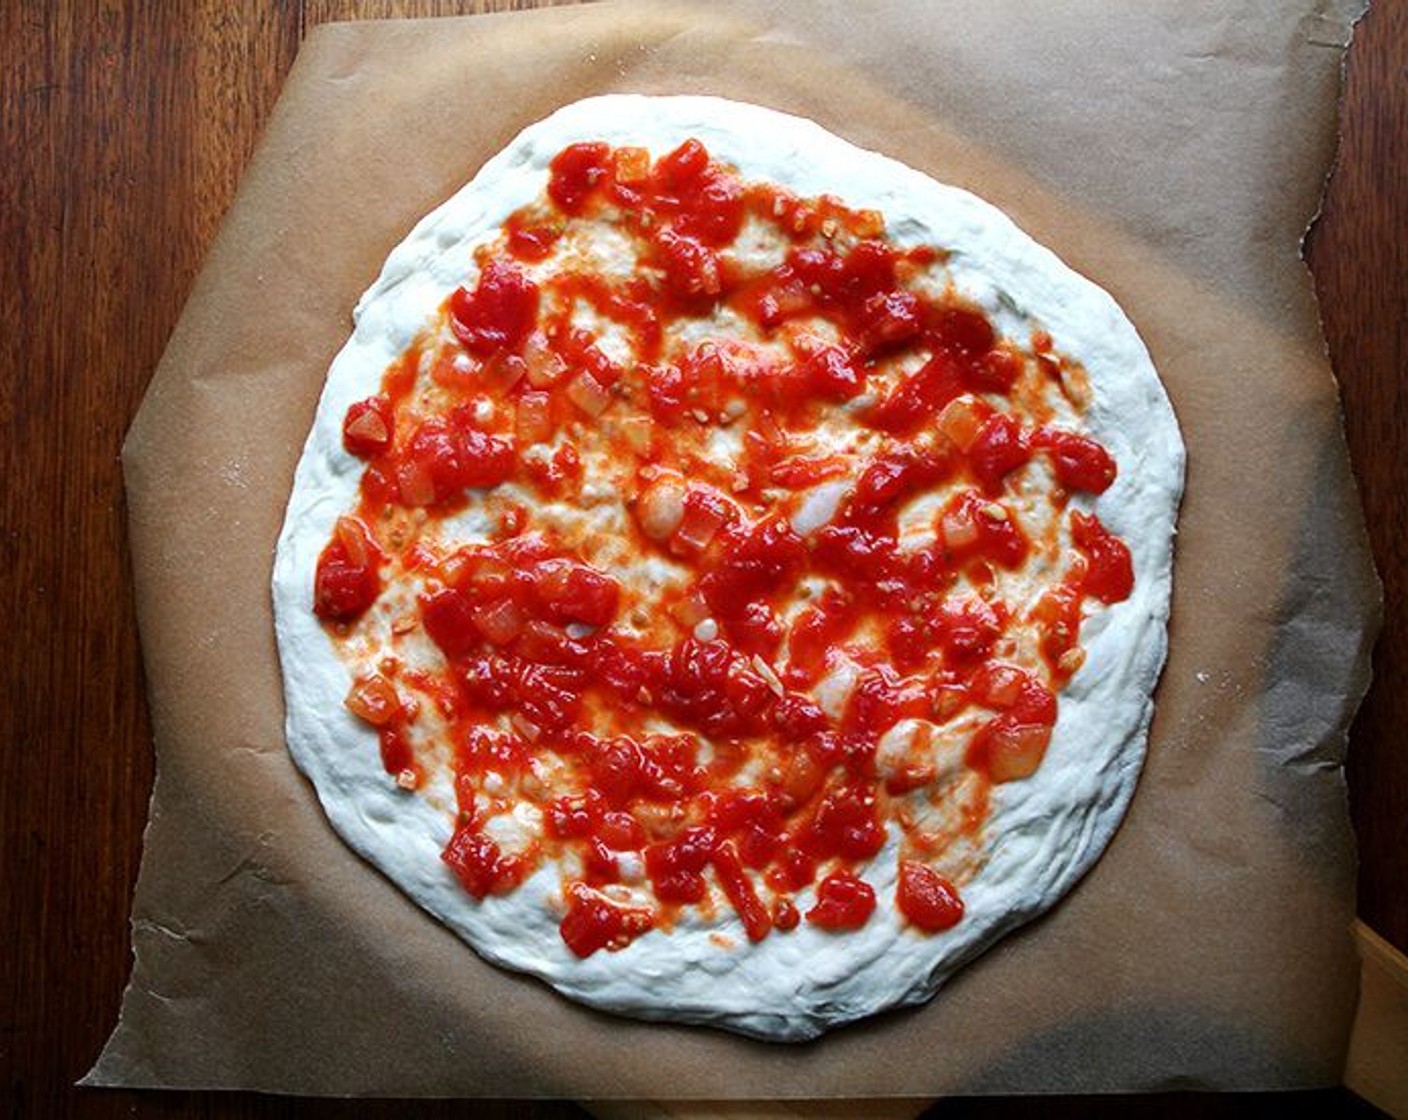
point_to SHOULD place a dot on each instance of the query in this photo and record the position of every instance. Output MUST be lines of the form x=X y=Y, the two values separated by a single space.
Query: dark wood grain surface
x=124 y=128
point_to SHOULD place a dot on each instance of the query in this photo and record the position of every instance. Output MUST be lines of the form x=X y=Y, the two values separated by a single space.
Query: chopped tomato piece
x=847 y=824
x=710 y=687
x=530 y=242
x=692 y=270
x=575 y=171
x=1110 y=577
x=367 y=428
x=890 y=319
x=396 y=755
x=1079 y=463
x=620 y=831
x=968 y=626
x=571 y=592
x=683 y=165
x=572 y=818
x=593 y=923
x=843 y=901
x=926 y=898
x=344 y=584
x=961 y=330
x=832 y=373
x=740 y=891
x=784 y=915
x=1058 y=614
x=816 y=631
x=480 y=864
x=453 y=457
x=995 y=372
x=973 y=527
x=676 y=867
x=448 y=617
x=1007 y=749
x=705 y=512
x=498 y=314
x=712 y=209
x=921 y=395
x=1000 y=448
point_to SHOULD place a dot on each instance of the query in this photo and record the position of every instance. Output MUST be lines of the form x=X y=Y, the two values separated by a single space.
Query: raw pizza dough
x=1042 y=832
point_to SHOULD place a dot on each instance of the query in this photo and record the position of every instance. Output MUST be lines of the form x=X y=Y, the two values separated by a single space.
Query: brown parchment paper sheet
x=1174 y=151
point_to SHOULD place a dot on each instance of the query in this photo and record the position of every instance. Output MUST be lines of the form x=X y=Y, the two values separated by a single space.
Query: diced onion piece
x=701 y=521
x=1001 y=685
x=350 y=533
x=800 y=778
x=660 y=508
x=769 y=675
x=552 y=580
x=787 y=301
x=500 y=620
x=545 y=367
x=908 y=776
x=417 y=485
x=455 y=566
x=946 y=701
x=869 y=223
x=1016 y=752
x=534 y=419
x=588 y=394
x=370 y=426
x=958 y=527
x=491 y=576
x=961 y=421
x=632 y=164
x=374 y=700
x=639 y=433
x=658 y=819
x=503 y=371
x=530 y=784
x=690 y=611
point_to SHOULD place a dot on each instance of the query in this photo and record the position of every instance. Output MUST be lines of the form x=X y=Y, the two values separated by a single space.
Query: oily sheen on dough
x=1044 y=832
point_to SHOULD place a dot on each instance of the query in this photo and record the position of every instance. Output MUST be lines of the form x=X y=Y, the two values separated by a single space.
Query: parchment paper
x=1173 y=151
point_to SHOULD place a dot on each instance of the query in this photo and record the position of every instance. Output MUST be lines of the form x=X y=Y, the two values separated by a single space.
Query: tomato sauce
x=758 y=790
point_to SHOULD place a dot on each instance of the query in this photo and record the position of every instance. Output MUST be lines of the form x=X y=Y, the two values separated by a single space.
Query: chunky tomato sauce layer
x=710 y=545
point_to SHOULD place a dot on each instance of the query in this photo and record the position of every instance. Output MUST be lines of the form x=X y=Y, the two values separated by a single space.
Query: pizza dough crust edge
x=1046 y=831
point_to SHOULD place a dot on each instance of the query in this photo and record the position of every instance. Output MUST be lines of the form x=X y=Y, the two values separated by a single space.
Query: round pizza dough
x=1044 y=832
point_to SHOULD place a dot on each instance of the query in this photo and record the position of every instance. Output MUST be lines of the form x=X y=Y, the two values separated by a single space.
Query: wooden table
x=124 y=128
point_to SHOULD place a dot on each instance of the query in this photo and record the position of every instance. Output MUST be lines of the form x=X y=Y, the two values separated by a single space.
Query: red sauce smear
x=534 y=660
